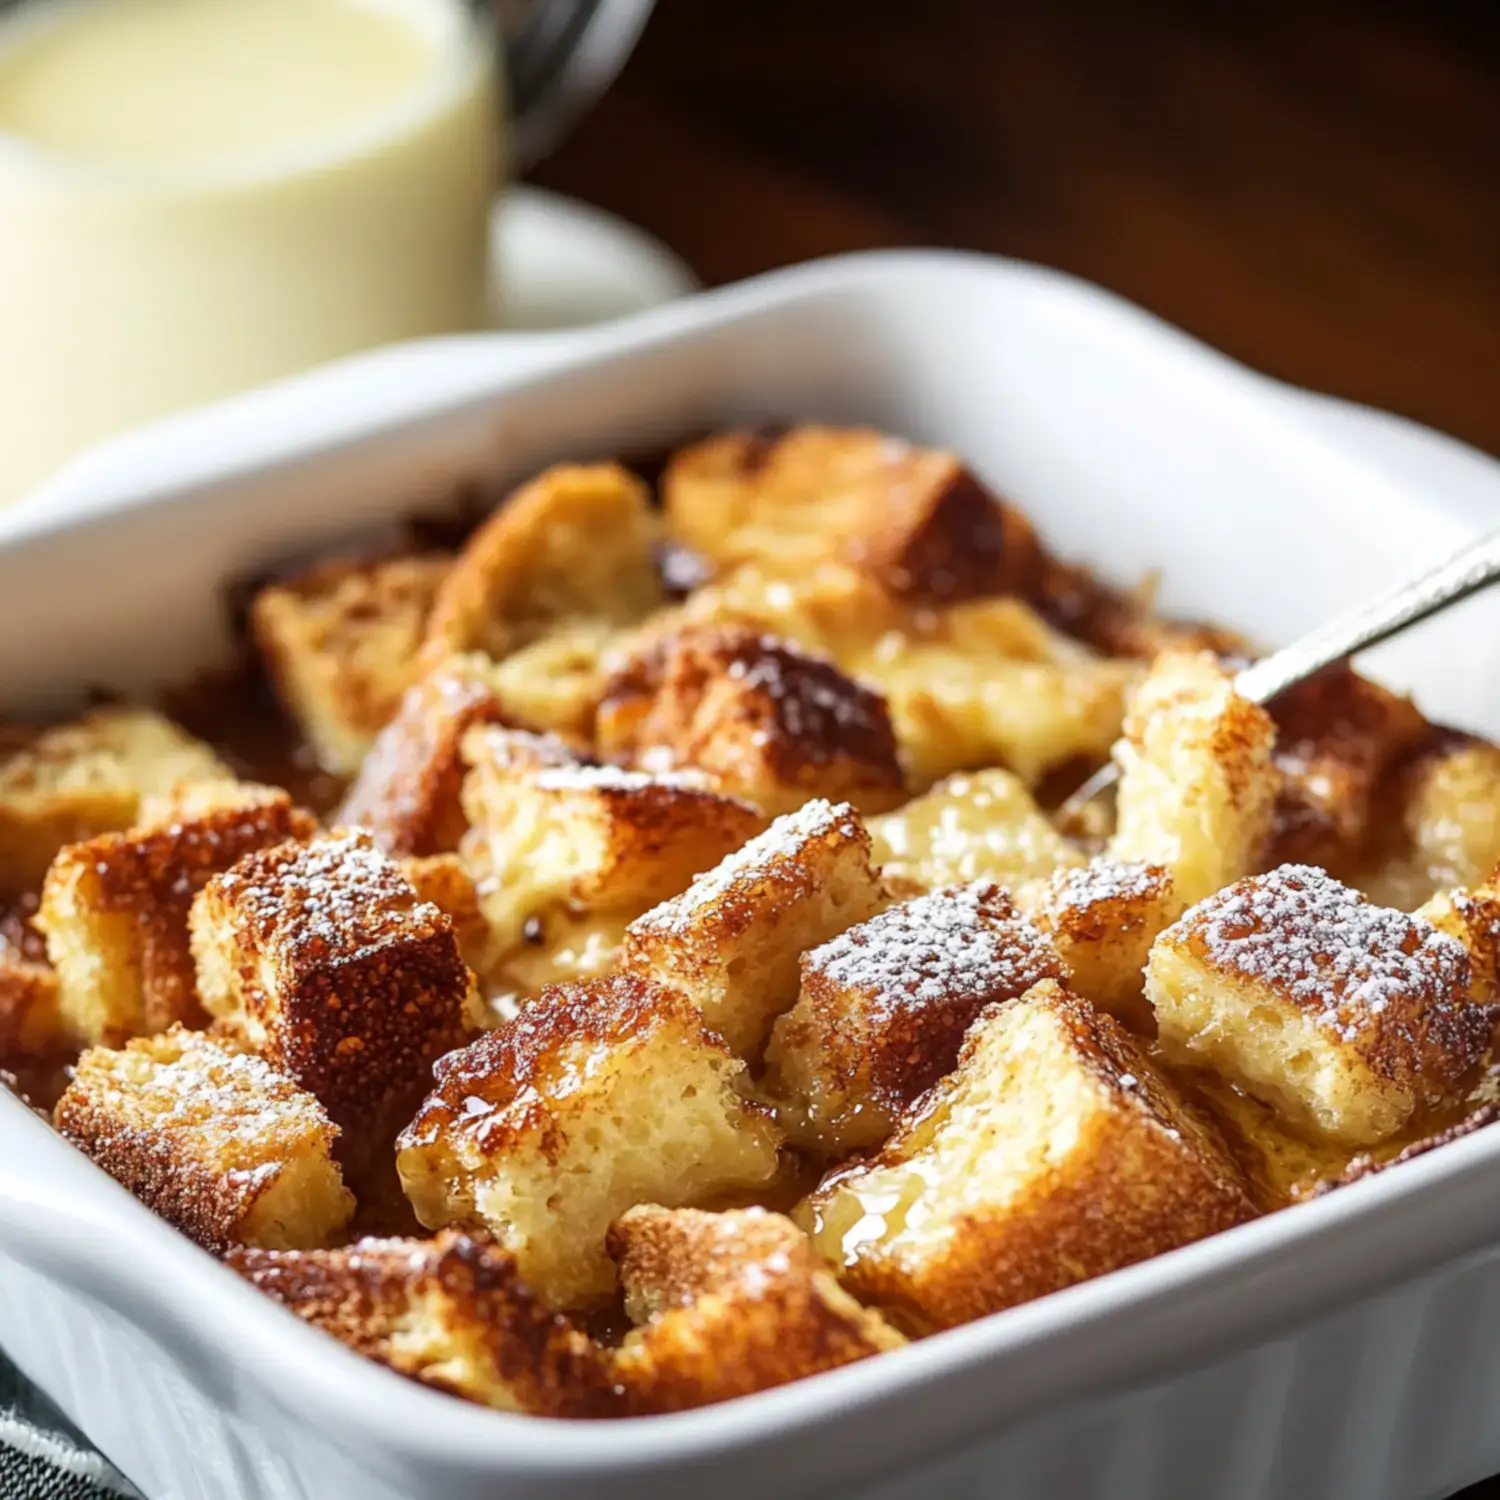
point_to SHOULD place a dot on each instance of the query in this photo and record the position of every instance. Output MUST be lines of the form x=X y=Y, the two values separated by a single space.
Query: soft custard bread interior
x=69 y=782
x=340 y=645
x=1198 y=783
x=733 y=941
x=974 y=825
x=218 y=1142
x=1054 y=1152
x=1349 y=1018
x=728 y=1303
x=114 y=909
x=595 y=1098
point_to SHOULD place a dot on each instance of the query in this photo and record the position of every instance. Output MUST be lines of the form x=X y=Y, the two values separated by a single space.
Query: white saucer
x=557 y=263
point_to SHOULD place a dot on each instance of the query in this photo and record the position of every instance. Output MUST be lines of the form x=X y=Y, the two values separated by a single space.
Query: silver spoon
x=1474 y=568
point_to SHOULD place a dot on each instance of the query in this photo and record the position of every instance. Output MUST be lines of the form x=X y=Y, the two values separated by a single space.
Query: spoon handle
x=1474 y=568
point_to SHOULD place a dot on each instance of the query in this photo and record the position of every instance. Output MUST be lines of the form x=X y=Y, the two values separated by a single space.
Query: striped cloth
x=41 y=1456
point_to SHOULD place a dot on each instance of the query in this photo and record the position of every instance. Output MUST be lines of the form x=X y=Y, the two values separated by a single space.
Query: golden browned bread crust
x=30 y=1021
x=575 y=543
x=322 y=958
x=1347 y=1015
x=885 y=1005
x=69 y=782
x=451 y=1312
x=217 y=1142
x=767 y=720
x=732 y=941
x=1102 y=919
x=115 y=909
x=1337 y=737
x=596 y=1097
x=1055 y=1152
x=726 y=1304
x=340 y=645
x=407 y=790
x=914 y=519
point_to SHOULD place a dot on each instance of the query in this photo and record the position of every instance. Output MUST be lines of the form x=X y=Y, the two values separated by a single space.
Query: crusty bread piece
x=554 y=683
x=980 y=825
x=407 y=790
x=30 y=1016
x=597 y=1097
x=1472 y=917
x=1103 y=919
x=573 y=544
x=1446 y=805
x=444 y=880
x=1337 y=737
x=322 y=958
x=594 y=837
x=1350 y=1018
x=767 y=720
x=67 y=783
x=1054 y=1153
x=115 y=909
x=732 y=941
x=451 y=1312
x=214 y=1140
x=340 y=645
x=729 y=1303
x=1198 y=785
x=884 y=1008
x=914 y=519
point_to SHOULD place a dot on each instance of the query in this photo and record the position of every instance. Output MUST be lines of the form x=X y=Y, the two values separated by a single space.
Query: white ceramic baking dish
x=1350 y=1347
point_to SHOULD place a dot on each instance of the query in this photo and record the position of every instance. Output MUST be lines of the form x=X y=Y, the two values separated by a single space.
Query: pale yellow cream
x=202 y=195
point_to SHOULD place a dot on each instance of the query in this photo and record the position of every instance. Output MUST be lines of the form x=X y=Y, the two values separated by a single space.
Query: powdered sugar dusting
x=783 y=841
x=1103 y=881
x=611 y=778
x=1326 y=948
x=960 y=944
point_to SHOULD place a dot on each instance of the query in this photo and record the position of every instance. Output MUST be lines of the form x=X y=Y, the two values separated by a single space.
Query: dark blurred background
x=1313 y=188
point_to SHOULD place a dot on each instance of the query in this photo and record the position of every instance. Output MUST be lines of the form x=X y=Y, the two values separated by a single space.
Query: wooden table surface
x=1314 y=190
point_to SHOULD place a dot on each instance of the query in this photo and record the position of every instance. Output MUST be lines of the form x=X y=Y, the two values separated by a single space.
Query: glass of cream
x=197 y=196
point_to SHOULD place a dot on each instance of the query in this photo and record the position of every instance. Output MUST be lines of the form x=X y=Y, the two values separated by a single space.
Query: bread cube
x=340 y=645
x=914 y=518
x=884 y=1008
x=67 y=783
x=218 y=1142
x=1103 y=919
x=407 y=790
x=1472 y=917
x=1198 y=785
x=595 y=1098
x=733 y=940
x=554 y=683
x=1447 y=802
x=115 y=909
x=980 y=825
x=321 y=958
x=1348 y=1017
x=443 y=880
x=768 y=721
x=595 y=837
x=30 y=1016
x=573 y=544
x=990 y=682
x=726 y=1304
x=1337 y=737
x=1056 y=1152
x=451 y=1312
